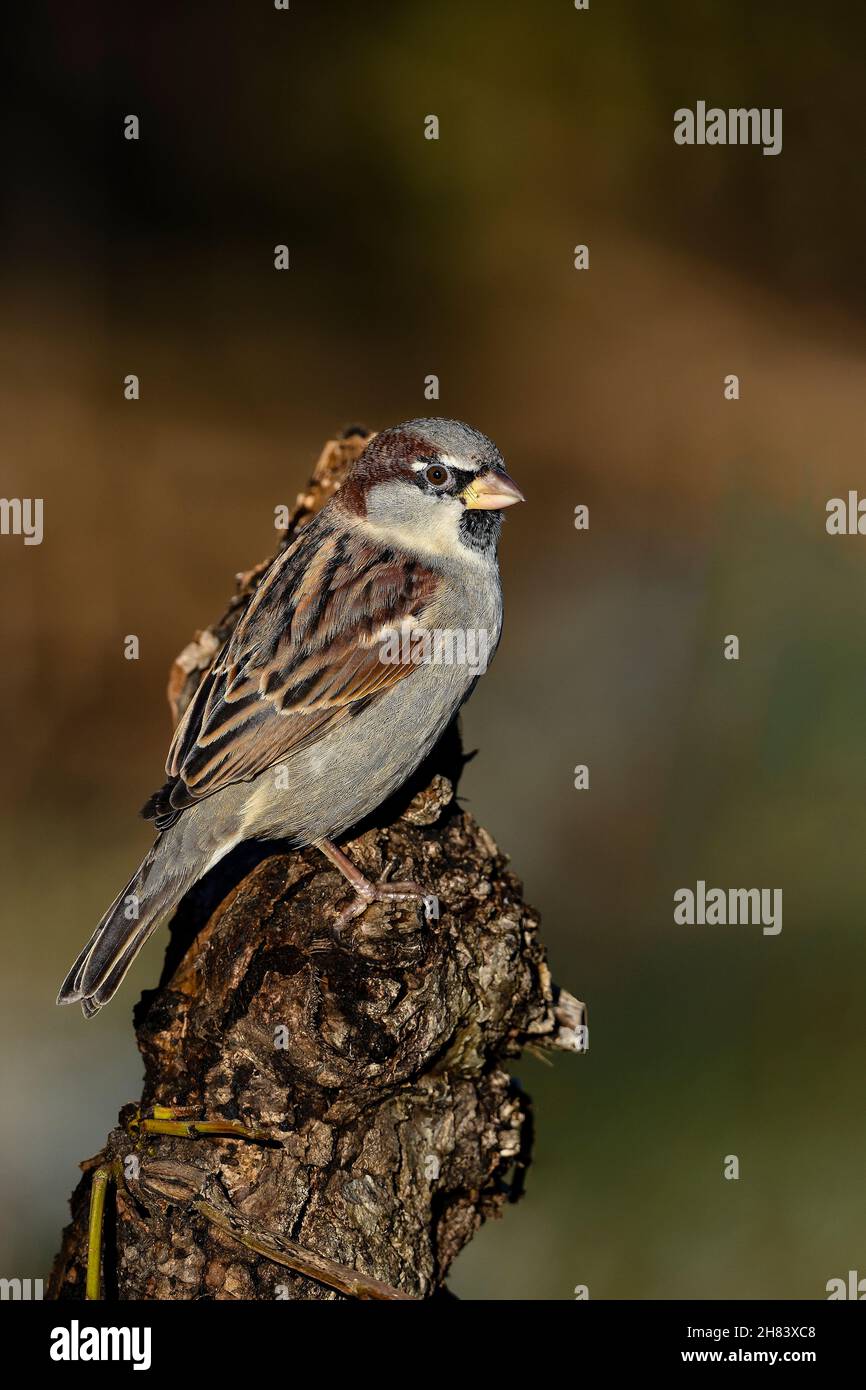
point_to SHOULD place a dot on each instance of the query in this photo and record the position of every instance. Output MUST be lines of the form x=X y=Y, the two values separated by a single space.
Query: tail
x=134 y=915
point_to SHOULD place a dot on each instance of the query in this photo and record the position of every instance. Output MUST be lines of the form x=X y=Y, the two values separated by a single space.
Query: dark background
x=411 y=257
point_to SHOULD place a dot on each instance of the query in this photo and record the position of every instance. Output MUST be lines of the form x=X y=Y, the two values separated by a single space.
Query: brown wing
x=304 y=656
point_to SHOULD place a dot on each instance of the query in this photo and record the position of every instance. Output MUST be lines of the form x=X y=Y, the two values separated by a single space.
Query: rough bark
x=367 y=1067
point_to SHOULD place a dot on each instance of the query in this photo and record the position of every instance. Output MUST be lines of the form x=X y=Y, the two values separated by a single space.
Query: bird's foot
x=367 y=892
x=388 y=892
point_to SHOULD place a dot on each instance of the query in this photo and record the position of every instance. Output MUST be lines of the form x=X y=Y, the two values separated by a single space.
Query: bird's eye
x=436 y=474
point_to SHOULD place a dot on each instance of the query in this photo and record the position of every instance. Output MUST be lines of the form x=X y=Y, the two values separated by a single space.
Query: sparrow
x=307 y=721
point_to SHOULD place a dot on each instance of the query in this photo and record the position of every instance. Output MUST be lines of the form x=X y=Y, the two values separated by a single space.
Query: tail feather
x=132 y=918
x=101 y=985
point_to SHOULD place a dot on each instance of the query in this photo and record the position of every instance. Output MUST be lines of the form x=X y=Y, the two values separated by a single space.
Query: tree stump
x=375 y=1126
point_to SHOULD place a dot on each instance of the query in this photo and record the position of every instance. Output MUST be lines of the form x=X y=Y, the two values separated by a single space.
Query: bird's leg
x=367 y=892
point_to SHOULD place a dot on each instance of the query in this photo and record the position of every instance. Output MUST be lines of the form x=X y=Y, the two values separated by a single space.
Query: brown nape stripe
x=388 y=455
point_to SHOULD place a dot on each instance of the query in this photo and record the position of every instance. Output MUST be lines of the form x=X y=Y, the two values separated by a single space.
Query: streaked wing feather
x=304 y=656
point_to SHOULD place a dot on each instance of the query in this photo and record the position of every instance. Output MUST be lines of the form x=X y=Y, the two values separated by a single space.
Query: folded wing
x=305 y=655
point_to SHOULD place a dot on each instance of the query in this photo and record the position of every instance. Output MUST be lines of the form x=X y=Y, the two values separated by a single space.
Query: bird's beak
x=491 y=491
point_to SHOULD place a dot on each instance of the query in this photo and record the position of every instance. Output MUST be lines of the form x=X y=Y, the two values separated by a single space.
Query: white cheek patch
x=402 y=515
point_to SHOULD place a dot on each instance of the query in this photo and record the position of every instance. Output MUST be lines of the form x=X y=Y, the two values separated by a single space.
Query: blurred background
x=412 y=257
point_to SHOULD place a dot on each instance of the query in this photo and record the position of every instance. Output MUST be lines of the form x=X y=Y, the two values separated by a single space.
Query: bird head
x=437 y=486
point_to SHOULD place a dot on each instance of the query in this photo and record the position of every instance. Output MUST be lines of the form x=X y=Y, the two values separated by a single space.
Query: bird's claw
x=388 y=892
